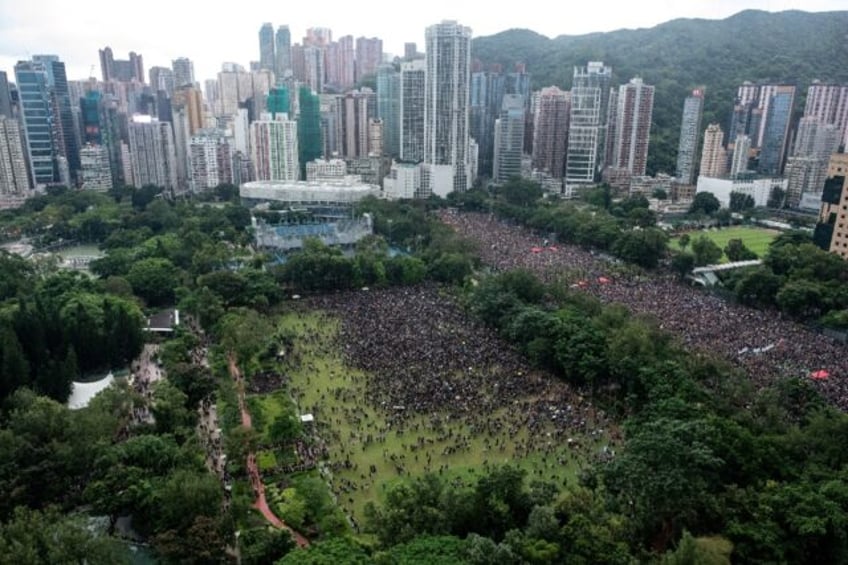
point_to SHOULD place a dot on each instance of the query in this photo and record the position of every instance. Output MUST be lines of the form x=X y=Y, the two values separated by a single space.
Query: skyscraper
x=267 y=58
x=14 y=179
x=95 y=171
x=412 y=89
x=775 y=138
x=128 y=70
x=713 y=157
x=633 y=127
x=183 y=72
x=5 y=96
x=274 y=148
x=283 y=52
x=279 y=101
x=354 y=123
x=690 y=132
x=310 y=141
x=39 y=120
x=369 y=55
x=68 y=140
x=313 y=67
x=388 y=107
x=587 y=124
x=191 y=99
x=486 y=97
x=509 y=138
x=152 y=153
x=741 y=154
x=446 y=100
x=550 y=131
x=209 y=160
x=162 y=78
x=806 y=169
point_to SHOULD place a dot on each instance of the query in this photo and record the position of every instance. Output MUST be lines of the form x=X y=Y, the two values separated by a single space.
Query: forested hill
x=787 y=47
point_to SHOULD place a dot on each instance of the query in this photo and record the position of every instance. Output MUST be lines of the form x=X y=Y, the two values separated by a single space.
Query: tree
x=644 y=247
x=704 y=203
x=735 y=250
x=706 y=251
x=330 y=552
x=660 y=194
x=683 y=241
x=777 y=198
x=740 y=202
x=520 y=192
x=258 y=546
x=801 y=298
x=758 y=287
x=682 y=264
x=154 y=280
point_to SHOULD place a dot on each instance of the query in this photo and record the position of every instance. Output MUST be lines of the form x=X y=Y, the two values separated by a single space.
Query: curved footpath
x=261 y=503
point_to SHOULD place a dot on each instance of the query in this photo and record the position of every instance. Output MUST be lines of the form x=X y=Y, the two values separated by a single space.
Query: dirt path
x=261 y=503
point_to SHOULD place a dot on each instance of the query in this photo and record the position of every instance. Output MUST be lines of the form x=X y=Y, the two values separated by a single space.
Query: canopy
x=553 y=248
x=536 y=249
x=604 y=280
x=819 y=375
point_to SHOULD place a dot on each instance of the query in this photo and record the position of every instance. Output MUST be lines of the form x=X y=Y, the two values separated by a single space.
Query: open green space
x=755 y=239
x=367 y=454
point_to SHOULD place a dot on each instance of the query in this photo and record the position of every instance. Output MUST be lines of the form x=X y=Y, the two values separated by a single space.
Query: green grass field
x=358 y=435
x=755 y=239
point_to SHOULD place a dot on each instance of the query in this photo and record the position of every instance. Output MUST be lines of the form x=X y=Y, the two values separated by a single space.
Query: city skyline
x=54 y=27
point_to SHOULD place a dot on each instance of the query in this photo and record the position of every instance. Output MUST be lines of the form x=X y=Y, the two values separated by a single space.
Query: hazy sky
x=210 y=33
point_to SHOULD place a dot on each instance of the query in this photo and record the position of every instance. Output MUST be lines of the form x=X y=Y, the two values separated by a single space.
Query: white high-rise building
x=713 y=156
x=587 y=124
x=210 y=160
x=412 y=83
x=323 y=169
x=741 y=150
x=403 y=181
x=241 y=132
x=509 y=138
x=183 y=72
x=690 y=133
x=182 y=136
x=95 y=172
x=274 y=148
x=14 y=179
x=154 y=159
x=446 y=102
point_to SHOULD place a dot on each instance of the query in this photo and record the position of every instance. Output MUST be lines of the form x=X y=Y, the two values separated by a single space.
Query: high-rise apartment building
x=831 y=232
x=5 y=96
x=267 y=58
x=354 y=118
x=806 y=169
x=95 y=170
x=413 y=76
x=283 y=53
x=775 y=137
x=633 y=127
x=313 y=67
x=741 y=154
x=369 y=55
x=829 y=103
x=153 y=154
x=340 y=64
x=210 y=160
x=713 y=156
x=550 y=131
x=509 y=138
x=183 y=72
x=101 y=125
x=14 y=178
x=446 y=99
x=191 y=99
x=128 y=70
x=690 y=133
x=388 y=107
x=274 y=148
x=162 y=78
x=587 y=124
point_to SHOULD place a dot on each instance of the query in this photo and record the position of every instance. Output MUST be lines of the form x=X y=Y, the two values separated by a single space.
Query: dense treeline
x=683 y=54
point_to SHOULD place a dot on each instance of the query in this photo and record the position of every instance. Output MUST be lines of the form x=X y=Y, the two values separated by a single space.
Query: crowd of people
x=446 y=389
x=762 y=343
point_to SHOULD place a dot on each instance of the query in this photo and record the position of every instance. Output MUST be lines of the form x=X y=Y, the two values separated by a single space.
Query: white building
x=14 y=179
x=323 y=169
x=741 y=150
x=152 y=151
x=758 y=188
x=412 y=83
x=274 y=148
x=95 y=172
x=587 y=129
x=210 y=160
x=446 y=100
x=690 y=133
x=403 y=181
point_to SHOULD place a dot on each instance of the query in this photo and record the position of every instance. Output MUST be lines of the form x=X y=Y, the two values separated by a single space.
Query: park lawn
x=755 y=239
x=335 y=394
x=271 y=406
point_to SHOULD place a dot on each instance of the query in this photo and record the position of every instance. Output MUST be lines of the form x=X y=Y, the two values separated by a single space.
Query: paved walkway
x=261 y=503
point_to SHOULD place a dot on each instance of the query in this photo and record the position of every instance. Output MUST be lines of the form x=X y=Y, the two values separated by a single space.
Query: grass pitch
x=755 y=239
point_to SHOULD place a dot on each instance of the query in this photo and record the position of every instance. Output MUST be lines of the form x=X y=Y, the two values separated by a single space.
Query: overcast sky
x=210 y=33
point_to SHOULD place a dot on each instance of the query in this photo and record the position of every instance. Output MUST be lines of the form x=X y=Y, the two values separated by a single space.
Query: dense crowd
x=762 y=343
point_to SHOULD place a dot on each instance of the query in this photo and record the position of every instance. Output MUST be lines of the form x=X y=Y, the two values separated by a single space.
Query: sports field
x=755 y=239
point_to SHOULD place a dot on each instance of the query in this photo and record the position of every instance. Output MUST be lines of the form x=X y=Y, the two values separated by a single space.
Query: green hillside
x=788 y=47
